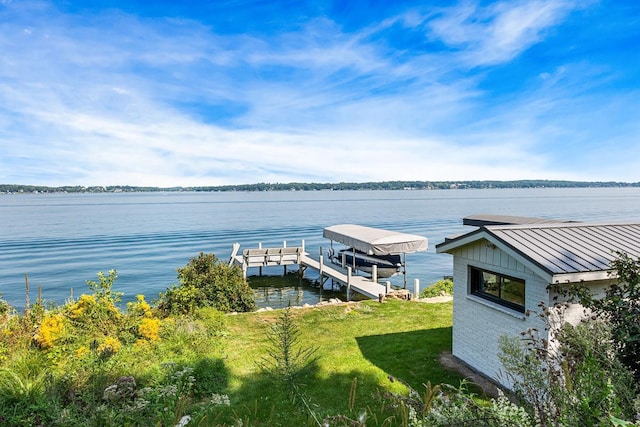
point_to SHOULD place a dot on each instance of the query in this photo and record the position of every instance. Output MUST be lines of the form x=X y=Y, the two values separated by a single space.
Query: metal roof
x=375 y=241
x=560 y=248
x=483 y=220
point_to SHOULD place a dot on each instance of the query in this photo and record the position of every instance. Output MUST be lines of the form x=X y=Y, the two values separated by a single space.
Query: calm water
x=62 y=240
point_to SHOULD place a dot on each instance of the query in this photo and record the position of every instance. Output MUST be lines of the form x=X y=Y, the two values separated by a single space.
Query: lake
x=62 y=240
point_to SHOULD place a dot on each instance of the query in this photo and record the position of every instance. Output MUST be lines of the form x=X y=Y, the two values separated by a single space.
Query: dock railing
x=263 y=257
x=283 y=256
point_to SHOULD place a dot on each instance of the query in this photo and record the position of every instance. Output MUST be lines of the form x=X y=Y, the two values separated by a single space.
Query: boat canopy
x=375 y=241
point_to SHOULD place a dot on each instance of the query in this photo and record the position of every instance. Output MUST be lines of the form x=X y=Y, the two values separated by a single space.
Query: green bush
x=620 y=307
x=573 y=378
x=97 y=313
x=207 y=282
x=438 y=288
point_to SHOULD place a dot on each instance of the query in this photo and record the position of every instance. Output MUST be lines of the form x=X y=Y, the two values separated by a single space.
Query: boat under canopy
x=375 y=241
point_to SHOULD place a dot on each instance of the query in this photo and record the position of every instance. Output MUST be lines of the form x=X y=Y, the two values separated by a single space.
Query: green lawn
x=367 y=341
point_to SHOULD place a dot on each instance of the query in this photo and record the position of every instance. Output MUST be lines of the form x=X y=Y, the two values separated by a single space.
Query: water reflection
x=290 y=290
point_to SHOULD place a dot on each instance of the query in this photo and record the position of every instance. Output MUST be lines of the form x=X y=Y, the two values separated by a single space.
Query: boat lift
x=376 y=242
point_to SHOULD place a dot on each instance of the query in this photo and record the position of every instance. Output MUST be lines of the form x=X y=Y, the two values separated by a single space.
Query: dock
x=296 y=255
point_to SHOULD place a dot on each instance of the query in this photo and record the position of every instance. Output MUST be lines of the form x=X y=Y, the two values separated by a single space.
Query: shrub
x=5 y=308
x=438 y=288
x=149 y=329
x=97 y=313
x=139 y=308
x=207 y=282
x=109 y=346
x=50 y=330
x=571 y=378
x=286 y=360
x=620 y=306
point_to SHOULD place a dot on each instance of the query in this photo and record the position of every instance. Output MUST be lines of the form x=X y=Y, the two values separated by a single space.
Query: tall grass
x=88 y=362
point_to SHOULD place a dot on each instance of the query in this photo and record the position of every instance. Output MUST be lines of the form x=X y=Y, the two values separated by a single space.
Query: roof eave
x=454 y=243
x=583 y=276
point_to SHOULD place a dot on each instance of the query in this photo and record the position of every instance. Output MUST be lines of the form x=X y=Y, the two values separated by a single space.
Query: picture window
x=504 y=290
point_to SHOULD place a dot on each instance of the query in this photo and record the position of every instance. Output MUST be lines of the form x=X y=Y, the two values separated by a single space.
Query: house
x=503 y=269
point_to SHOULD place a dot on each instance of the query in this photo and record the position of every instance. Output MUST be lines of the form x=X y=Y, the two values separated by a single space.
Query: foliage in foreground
x=620 y=307
x=571 y=379
x=89 y=363
x=208 y=282
x=287 y=359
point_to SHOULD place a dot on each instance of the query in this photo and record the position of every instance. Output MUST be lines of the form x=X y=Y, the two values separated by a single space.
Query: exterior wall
x=478 y=323
x=575 y=312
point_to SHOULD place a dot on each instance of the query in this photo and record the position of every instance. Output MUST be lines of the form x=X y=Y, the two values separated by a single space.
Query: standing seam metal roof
x=565 y=247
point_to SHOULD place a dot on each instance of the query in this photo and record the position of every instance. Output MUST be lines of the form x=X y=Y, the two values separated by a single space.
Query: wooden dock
x=284 y=256
x=360 y=284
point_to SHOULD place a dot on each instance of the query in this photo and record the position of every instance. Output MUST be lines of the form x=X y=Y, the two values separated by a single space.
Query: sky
x=206 y=93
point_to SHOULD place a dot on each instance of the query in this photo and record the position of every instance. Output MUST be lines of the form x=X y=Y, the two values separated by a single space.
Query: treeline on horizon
x=340 y=186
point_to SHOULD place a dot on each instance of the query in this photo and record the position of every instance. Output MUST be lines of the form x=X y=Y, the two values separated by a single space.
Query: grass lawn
x=366 y=341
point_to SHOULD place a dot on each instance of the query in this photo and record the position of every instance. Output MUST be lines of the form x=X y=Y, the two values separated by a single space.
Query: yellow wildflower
x=141 y=344
x=109 y=345
x=140 y=307
x=51 y=328
x=149 y=328
x=82 y=351
x=84 y=304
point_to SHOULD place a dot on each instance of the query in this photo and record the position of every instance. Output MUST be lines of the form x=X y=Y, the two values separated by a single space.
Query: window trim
x=474 y=277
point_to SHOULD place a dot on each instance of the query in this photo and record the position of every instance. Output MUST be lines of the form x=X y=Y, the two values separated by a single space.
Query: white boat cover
x=375 y=241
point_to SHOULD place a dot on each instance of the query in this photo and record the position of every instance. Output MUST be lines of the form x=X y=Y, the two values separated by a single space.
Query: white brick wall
x=478 y=323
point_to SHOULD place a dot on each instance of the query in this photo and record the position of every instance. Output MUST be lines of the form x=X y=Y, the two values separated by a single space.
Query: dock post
x=374 y=273
x=387 y=286
x=348 y=284
x=416 y=288
x=320 y=268
x=404 y=268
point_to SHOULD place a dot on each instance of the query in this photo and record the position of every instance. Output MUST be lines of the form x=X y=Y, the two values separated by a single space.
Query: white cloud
x=498 y=32
x=117 y=99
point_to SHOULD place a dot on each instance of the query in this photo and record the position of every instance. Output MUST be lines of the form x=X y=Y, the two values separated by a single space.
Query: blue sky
x=172 y=93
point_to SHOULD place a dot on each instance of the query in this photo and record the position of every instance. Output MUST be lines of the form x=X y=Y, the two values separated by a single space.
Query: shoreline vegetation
x=340 y=186
x=88 y=362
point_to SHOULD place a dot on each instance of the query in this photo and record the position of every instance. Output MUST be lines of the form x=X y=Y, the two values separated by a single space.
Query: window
x=504 y=290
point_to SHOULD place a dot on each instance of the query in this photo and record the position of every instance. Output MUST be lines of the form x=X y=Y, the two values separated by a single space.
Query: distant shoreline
x=340 y=186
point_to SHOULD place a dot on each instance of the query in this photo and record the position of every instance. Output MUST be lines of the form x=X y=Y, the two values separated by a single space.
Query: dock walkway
x=359 y=284
x=284 y=256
